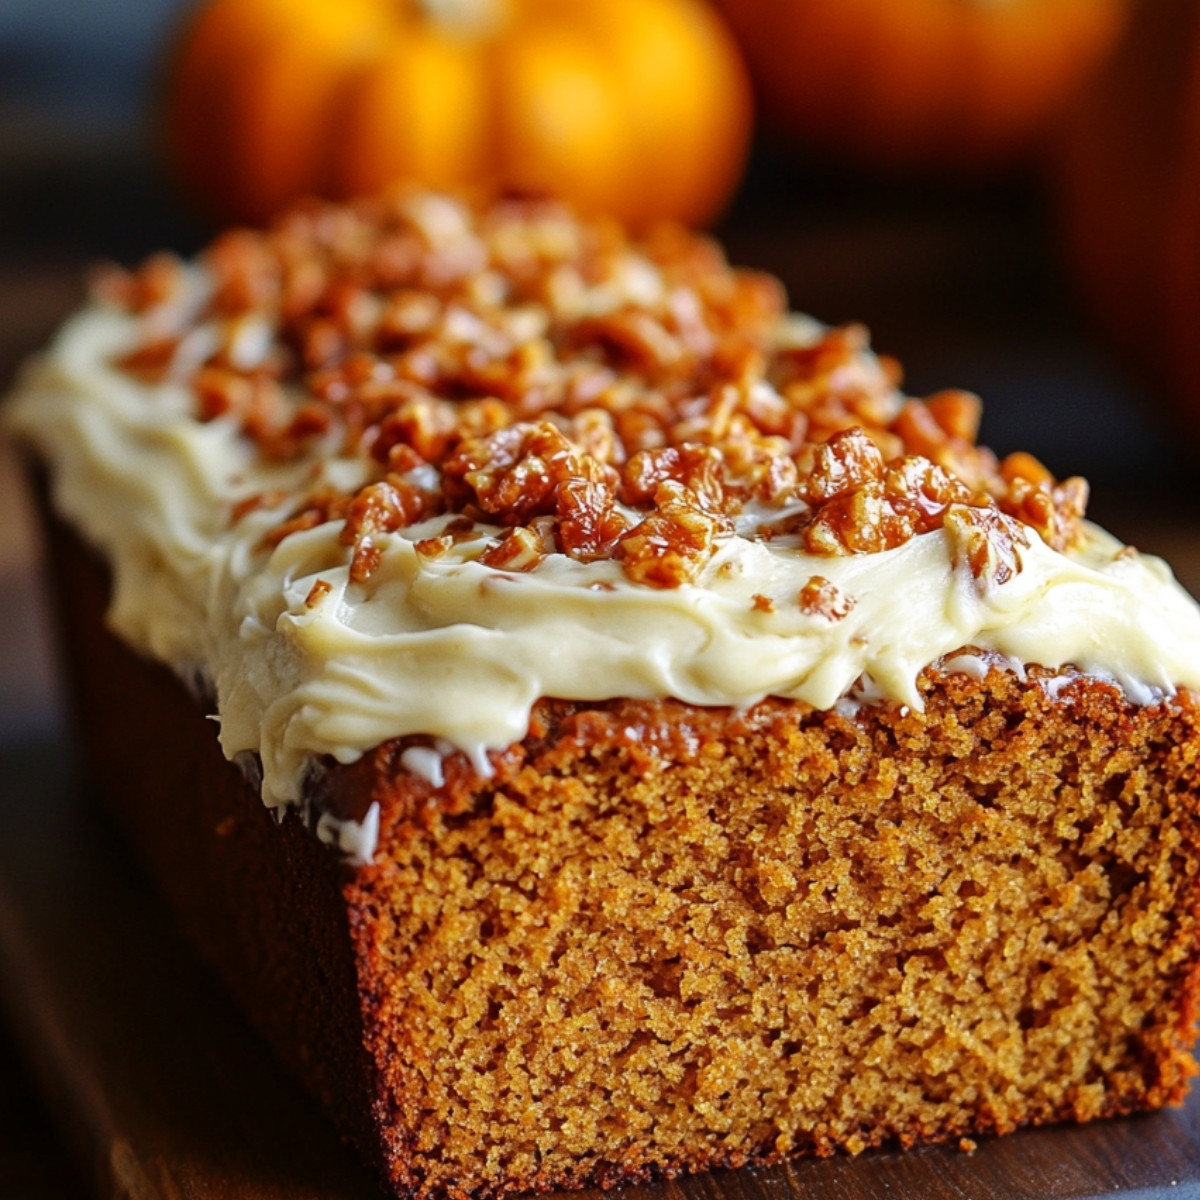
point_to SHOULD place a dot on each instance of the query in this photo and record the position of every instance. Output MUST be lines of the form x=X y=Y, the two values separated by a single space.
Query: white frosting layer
x=448 y=647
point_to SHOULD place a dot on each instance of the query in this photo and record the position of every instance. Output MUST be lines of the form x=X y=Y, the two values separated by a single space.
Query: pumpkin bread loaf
x=648 y=740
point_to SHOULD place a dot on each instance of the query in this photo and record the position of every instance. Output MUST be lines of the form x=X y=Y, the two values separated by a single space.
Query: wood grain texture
x=162 y=1091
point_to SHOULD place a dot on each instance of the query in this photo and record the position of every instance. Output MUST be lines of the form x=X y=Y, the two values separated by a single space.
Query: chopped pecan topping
x=987 y=543
x=521 y=549
x=589 y=524
x=382 y=507
x=957 y=412
x=862 y=505
x=821 y=598
x=157 y=282
x=1053 y=509
x=593 y=396
x=513 y=474
x=846 y=463
x=365 y=560
x=319 y=590
x=695 y=468
x=150 y=361
x=672 y=545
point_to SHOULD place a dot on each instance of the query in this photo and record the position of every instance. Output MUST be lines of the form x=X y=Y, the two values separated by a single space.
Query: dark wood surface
x=160 y=1090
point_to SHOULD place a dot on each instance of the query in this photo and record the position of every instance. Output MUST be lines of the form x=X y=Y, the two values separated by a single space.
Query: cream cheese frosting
x=459 y=651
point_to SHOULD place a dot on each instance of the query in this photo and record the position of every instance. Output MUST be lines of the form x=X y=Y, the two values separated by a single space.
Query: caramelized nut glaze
x=634 y=395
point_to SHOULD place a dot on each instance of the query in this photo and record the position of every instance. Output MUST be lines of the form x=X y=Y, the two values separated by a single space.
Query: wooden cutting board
x=164 y=1093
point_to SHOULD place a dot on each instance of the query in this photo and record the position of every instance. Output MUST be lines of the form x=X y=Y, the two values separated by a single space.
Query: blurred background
x=1006 y=194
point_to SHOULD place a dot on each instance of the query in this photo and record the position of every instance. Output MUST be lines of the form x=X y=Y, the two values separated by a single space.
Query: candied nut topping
x=820 y=598
x=319 y=590
x=516 y=367
x=521 y=549
x=987 y=543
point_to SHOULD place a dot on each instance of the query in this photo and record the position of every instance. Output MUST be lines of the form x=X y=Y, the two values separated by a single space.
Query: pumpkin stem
x=465 y=18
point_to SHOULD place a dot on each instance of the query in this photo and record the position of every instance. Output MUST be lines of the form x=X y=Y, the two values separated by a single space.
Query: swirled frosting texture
x=449 y=647
x=404 y=467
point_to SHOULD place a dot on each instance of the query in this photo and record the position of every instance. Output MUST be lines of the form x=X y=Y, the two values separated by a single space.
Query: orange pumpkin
x=637 y=108
x=1127 y=177
x=920 y=83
